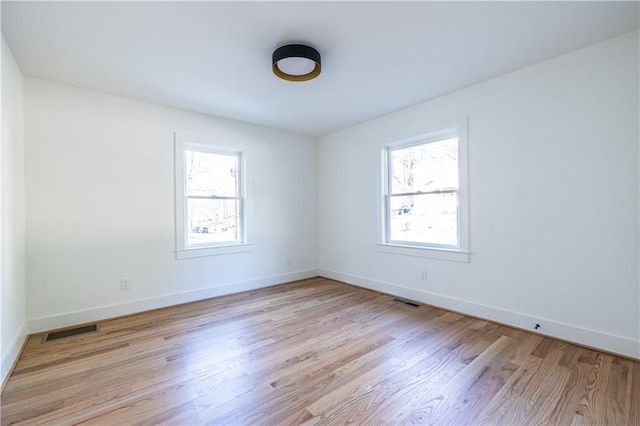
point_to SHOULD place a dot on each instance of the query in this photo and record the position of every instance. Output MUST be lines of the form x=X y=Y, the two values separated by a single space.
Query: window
x=424 y=191
x=209 y=198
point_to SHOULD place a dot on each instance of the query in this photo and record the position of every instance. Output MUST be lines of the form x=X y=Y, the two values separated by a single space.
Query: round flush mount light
x=296 y=62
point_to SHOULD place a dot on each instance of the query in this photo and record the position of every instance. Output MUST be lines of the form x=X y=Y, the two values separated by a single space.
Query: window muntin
x=212 y=196
x=422 y=200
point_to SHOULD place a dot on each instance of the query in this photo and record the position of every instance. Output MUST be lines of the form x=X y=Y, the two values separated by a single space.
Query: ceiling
x=377 y=57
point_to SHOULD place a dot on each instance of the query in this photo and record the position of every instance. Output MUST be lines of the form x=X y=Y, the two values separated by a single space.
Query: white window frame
x=459 y=251
x=183 y=249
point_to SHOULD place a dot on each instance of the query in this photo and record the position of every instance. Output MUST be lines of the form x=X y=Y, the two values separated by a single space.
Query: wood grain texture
x=315 y=352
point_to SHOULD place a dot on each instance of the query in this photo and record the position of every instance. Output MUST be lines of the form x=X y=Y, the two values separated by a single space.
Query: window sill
x=428 y=252
x=189 y=253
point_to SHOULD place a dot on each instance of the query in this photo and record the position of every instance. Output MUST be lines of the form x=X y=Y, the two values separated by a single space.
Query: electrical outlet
x=423 y=275
x=125 y=283
x=288 y=260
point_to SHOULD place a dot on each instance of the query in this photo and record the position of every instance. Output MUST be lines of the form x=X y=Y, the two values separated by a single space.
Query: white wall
x=12 y=266
x=100 y=206
x=553 y=183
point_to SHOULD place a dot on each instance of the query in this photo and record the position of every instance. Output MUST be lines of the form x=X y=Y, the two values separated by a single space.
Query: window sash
x=239 y=197
x=389 y=213
x=219 y=239
x=388 y=194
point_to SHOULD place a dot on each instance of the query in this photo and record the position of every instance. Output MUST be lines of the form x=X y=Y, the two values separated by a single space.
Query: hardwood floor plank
x=395 y=399
x=567 y=404
x=633 y=390
x=315 y=352
x=292 y=395
x=500 y=405
x=467 y=393
x=590 y=406
x=140 y=409
x=543 y=401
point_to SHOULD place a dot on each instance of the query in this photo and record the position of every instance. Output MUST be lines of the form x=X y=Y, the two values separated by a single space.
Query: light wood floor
x=316 y=352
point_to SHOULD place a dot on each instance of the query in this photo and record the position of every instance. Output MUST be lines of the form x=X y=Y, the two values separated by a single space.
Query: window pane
x=211 y=174
x=427 y=167
x=212 y=221
x=425 y=218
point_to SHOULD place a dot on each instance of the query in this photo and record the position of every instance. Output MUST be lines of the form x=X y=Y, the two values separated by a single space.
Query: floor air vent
x=70 y=332
x=415 y=305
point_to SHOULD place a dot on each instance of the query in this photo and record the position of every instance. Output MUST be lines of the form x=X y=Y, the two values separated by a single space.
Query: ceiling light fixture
x=296 y=62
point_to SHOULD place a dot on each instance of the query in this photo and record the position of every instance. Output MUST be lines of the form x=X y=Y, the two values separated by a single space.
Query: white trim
x=182 y=248
x=592 y=338
x=11 y=354
x=433 y=133
x=37 y=325
x=420 y=251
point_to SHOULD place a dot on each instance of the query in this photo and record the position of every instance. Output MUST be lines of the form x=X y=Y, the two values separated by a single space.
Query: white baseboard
x=572 y=333
x=37 y=325
x=595 y=339
x=11 y=354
